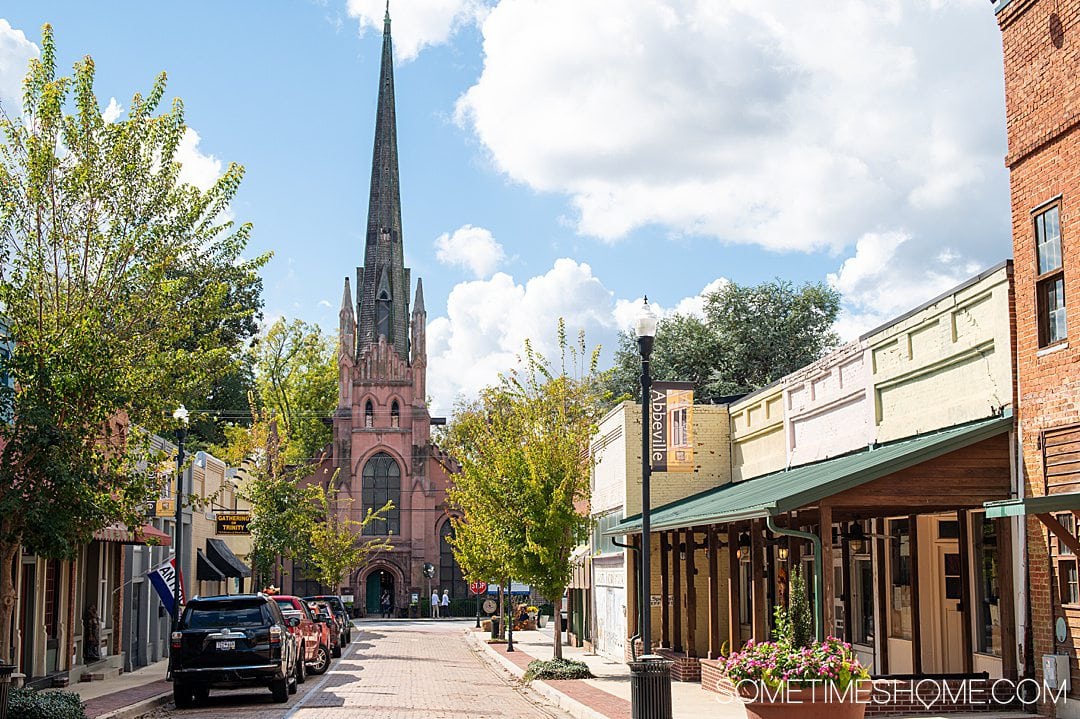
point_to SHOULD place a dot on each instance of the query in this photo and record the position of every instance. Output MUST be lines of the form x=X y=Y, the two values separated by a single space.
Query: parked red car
x=315 y=636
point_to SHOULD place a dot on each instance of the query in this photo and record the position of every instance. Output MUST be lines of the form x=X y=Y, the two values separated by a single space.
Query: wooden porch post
x=757 y=578
x=714 y=593
x=965 y=587
x=733 y=593
x=916 y=618
x=676 y=583
x=691 y=594
x=828 y=590
x=1006 y=607
x=665 y=582
x=881 y=599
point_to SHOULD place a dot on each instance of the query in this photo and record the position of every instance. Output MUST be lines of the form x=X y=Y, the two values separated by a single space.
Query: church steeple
x=383 y=291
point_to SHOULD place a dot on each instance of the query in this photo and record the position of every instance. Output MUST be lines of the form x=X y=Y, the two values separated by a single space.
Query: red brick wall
x=1041 y=41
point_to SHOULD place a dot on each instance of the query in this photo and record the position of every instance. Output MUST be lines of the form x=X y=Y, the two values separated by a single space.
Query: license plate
x=226 y=645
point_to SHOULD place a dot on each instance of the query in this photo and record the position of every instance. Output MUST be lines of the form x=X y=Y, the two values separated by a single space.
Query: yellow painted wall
x=758 y=445
x=946 y=364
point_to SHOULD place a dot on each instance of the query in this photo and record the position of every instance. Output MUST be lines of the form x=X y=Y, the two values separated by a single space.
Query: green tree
x=105 y=259
x=749 y=337
x=296 y=379
x=527 y=479
x=337 y=547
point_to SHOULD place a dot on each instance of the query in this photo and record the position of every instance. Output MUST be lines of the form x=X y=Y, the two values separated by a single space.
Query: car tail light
x=275 y=635
x=176 y=638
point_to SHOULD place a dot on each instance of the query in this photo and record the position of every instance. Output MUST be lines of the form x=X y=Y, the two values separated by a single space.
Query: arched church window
x=382 y=314
x=369 y=414
x=450 y=576
x=382 y=484
x=395 y=415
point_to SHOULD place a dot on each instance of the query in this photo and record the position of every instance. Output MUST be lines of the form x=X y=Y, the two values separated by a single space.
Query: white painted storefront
x=609 y=591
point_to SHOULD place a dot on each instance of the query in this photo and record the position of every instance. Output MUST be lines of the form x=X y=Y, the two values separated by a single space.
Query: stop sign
x=478 y=587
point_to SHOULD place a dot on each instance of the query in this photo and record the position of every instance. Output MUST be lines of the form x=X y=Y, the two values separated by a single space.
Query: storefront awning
x=218 y=552
x=146 y=534
x=789 y=490
x=1064 y=502
x=205 y=571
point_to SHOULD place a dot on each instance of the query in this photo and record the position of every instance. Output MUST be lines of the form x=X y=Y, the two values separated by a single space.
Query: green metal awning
x=1064 y=502
x=792 y=489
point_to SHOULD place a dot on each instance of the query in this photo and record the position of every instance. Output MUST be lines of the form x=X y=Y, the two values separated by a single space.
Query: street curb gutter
x=138 y=709
x=571 y=706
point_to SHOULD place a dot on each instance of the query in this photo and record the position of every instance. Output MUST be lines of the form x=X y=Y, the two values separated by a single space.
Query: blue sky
x=561 y=157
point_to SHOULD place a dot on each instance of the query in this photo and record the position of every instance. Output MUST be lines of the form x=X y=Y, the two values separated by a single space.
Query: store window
x=863 y=601
x=746 y=591
x=1065 y=560
x=900 y=579
x=987 y=599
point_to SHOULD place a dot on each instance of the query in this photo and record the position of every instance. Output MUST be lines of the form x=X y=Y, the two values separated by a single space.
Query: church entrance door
x=377 y=583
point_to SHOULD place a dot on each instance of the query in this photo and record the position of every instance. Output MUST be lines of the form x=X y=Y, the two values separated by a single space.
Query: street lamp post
x=181 y=416
x=645 y=327
x=650 y=675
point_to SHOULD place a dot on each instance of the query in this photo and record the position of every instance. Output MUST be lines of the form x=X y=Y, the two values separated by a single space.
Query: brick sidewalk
x=106 y=703
x=598 y=700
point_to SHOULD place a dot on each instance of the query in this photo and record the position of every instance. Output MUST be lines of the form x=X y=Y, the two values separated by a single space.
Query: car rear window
x=219 y=615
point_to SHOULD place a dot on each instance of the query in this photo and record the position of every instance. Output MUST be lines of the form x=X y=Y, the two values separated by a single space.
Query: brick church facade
x=382 y=444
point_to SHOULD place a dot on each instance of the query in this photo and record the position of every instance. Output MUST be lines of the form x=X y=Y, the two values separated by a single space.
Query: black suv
x=340 y=613
x=232 y=641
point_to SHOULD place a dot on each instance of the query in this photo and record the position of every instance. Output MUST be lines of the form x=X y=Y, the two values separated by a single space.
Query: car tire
x=280 y=689
x=336 y=651
x=294 y=686
x=182 y=695
x=321 y=662
x=301 y=668
x=201 y=693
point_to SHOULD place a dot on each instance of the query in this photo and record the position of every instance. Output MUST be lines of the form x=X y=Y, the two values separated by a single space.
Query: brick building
x=1042 y=103
x=382 y=428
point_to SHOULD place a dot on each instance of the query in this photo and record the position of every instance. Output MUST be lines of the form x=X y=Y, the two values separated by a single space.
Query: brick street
x=392 y=670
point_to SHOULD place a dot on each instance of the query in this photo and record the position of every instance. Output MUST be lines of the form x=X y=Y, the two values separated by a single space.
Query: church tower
x=382 y=428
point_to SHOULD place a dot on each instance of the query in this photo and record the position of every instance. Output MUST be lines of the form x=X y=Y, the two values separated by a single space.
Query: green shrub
x=32 y=704
x=557 y=669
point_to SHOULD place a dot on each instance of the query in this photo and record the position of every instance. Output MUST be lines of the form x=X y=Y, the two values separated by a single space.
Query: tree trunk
x=8 y=552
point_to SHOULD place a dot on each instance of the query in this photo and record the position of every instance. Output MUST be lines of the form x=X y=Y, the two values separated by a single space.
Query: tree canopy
x=116 y=288
x=523 y=486
x=749 y=337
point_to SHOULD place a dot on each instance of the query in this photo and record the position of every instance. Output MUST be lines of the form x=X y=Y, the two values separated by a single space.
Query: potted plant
x=794 y=676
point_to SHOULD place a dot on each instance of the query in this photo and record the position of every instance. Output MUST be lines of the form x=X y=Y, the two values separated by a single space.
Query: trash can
x=650 y=687
x=6 y=670
x=496 y=621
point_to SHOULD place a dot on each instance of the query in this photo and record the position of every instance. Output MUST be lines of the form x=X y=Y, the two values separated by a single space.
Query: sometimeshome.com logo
x=929 y=693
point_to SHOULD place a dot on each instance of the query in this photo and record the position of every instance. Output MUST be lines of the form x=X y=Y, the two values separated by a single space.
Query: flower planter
x=801 y=703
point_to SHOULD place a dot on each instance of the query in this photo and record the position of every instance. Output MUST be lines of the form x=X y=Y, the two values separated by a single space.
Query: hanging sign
x=233 y=523
x=671 y=423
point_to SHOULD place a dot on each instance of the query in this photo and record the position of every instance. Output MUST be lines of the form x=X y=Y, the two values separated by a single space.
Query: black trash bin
x=6 y=670
x=650 y=687
x=496 y=621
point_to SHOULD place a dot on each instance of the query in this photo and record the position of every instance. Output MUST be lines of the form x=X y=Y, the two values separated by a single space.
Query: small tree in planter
x=795 y=676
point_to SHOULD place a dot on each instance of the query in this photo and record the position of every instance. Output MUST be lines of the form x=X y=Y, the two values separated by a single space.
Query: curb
x=569 y=705
x=138 y=709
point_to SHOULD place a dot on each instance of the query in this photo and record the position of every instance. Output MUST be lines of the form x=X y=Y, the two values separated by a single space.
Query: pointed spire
x=346 y=298
x=386 y=19
x=418 y=303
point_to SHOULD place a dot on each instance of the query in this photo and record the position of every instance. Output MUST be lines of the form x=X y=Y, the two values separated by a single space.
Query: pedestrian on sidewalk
x=446 y=602
x=434 y=603
x=387 y=604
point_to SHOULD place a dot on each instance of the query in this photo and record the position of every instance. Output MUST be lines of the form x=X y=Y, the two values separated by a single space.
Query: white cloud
x=626 y=311
x=417 y=23
x=889 y=275
x=473 y=248
x=113 y=111
x=196 y=168
x=15 y=53
x=749 y=121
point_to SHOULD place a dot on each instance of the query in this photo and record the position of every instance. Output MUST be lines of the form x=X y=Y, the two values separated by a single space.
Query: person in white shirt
x=446 y=602
x=434 y=603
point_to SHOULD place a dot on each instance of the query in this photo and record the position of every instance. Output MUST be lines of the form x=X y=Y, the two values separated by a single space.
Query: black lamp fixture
x=744 y=545
x=856 y=538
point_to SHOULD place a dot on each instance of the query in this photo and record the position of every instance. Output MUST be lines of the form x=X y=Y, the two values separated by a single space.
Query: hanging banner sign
x=164 y=580
x=231 y=523
x=671 y=424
